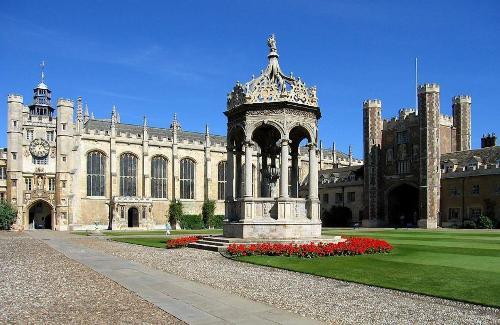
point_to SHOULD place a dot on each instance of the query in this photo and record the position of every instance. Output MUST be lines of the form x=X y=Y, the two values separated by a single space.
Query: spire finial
x=92 y=116
x=42 y=71
x=145 y=123
x=207 y=132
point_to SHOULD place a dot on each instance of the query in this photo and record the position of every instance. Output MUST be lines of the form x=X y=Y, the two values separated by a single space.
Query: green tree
x=174 y=213
x=207 y=211
x=8 y=215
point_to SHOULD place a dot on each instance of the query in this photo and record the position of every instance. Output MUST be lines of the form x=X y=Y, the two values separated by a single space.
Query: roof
x=105 y=125
x=488 y=155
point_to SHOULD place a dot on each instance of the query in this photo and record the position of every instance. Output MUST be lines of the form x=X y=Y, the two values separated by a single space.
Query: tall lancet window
x=187 y=173
x=159 y=177
x=128 y=175
x=221 y=180
x=96 y=178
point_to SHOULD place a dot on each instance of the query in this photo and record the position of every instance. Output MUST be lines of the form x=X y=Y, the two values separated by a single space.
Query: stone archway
x=402 y=205
x=40 y=215
x=133 y=217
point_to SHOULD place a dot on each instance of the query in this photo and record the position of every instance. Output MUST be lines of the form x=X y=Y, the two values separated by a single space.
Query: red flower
x=181 y=241
x=351 y=246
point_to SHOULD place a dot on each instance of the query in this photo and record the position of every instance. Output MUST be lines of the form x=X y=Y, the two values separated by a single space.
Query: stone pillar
x=238 y=185
x=230 y=174
x=295 y=172
x=265 y=182
x=248 y=169
x=284 y=169
x=313 y=172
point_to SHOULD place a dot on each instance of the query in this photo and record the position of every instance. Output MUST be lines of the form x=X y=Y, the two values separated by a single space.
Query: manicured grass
x=144 y=241
x=155 y=232
x=459 y=265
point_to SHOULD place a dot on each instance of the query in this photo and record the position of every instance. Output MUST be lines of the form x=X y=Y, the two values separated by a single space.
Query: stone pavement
x=189 y=301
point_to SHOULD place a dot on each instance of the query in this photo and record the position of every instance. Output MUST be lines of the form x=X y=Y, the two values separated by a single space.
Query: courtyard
x=461 y=265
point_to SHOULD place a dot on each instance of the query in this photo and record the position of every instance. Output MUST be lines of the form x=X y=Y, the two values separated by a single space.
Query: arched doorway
x=40 y=215
x=133 y=217
x=402 y=204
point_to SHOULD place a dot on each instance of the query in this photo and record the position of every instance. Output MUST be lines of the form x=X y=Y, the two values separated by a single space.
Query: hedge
x=191 y=221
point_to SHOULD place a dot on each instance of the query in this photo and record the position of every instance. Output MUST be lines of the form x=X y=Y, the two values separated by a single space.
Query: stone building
x=66 y=169
x=3 y=174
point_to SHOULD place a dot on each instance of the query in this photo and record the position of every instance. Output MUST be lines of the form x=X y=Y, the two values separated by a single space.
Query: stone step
x=217 y=239
x=206 y=247
x=210 y=242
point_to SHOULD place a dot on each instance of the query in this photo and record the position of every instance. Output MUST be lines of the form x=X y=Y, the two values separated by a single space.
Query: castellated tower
x=15 y=152
x=65 y=133
x=430 y=174
x=372 y=141
x=462 y=121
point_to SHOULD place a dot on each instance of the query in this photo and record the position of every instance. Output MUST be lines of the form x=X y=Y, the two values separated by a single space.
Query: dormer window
x=472 y=166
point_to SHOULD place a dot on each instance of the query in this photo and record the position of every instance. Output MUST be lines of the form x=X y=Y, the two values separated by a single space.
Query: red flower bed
x=352 y=246
x=181 y=241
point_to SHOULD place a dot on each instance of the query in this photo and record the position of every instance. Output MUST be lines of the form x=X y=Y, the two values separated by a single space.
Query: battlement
x=65 y=102
x=428 y=88
x=372 y=103
x=445 y=120
x=15 y=98
x=406 y=112
x=461 y=99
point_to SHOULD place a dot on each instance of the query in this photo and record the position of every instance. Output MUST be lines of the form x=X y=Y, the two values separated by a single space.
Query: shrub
x=181 y=242
x=207 y=211
x=337 y=216
x=191 y=221
x=8 y=214
x=217 y=221
x=469 y=224
x=174 y=213
x=484 y=223
x=351 y=246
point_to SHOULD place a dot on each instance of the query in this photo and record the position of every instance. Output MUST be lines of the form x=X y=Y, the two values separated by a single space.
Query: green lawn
x=156 y=232
x=152 y=242
x=454 y=264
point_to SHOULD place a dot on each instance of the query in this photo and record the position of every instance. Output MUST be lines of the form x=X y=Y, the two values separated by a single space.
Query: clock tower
x=33 y=179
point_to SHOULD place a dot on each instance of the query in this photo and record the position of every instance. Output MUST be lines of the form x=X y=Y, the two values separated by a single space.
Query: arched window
x=96 y=180
x=221 y=180
x=128 y=175
x=159 y=177
x=187 y=178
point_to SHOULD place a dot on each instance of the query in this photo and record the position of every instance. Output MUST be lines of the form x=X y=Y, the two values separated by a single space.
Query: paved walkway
x=187 y=300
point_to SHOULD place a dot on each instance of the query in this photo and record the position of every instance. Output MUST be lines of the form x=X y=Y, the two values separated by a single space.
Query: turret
x=430 y=178
x=461 y=106
x=372 y=140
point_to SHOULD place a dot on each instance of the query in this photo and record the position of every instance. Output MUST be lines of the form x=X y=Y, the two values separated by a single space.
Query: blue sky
x=155 y=58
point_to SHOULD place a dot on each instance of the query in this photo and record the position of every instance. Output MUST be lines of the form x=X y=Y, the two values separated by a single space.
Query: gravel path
x=315 y=297
x=39 y=285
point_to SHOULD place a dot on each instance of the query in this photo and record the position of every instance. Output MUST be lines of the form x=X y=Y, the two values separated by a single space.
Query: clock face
x=39 y=148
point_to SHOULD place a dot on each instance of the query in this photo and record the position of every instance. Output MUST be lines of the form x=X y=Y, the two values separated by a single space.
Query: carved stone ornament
x=272 y=86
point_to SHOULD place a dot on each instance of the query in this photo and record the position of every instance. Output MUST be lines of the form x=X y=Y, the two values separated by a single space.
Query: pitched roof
x=488 y=155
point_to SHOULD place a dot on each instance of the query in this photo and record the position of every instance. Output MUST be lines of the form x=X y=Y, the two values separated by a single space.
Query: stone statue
x=40 y=183
x=271 y=42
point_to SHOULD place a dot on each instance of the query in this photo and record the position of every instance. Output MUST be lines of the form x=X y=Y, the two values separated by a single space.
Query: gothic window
x=339 y=198
x=221 y=180
x=128 y=175
x=52 y=184
x=159 y=177
x=3 y=172
x=28 y=182
x=50 y=136
x=474 y=213
x=325 y=198
x=351 y=196
x=187 y=174
x=29 y=134
x=40 y=161
x=402 y=137
x=95 y=173
x=475 y=189
x=403 y=167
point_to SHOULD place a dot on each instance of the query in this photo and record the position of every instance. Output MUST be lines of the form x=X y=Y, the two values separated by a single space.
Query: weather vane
x=42 y=67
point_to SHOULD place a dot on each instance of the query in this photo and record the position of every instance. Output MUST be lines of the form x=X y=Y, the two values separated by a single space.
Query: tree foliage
x=8 y=214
